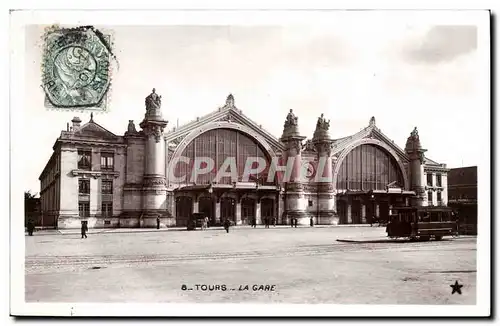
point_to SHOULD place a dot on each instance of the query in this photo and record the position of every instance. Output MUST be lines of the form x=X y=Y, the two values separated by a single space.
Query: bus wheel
x=438 y=237
x=412 y=239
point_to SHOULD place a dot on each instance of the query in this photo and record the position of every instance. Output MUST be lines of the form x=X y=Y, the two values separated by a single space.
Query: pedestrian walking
x=84 y=229
x=157 y=223
x=274 y=221
x=311 y=222
x=292 y=222
x=31 y=227
x=295 y=221
x=267 y=222
x=205 y=223
x=254 y=222
x=226 y=225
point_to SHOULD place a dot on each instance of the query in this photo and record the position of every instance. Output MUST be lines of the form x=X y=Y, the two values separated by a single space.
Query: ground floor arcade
x=240 y=205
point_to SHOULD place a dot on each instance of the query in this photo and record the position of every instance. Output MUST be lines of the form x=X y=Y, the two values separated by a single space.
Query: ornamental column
x=324 y=175
x=154 y=185
x=295 y=201
x=416 y=155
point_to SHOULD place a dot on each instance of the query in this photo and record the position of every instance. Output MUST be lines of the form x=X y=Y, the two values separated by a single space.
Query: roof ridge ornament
x=372 y=122
x=230 y=101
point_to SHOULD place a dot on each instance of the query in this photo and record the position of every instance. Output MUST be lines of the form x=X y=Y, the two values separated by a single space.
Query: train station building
x=227 y=166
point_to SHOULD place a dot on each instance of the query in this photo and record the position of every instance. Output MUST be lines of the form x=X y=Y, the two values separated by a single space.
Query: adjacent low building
x=130 y=180
x=462 y=193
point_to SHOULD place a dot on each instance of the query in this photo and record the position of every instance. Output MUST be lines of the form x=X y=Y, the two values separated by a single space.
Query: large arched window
x=219 y=144
x=368 y=167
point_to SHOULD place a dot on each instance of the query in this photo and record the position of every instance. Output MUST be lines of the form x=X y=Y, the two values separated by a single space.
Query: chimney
x=67 y=126
x=76 y=123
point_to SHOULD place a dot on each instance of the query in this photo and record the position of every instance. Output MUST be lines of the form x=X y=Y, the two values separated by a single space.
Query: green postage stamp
x=76 y=68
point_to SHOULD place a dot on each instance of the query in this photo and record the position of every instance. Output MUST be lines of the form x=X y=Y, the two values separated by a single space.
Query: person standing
x=295 y=221
x=311 y=222
x=84 y=229
x=157 y=223
x=31 y=227
x=274 y=221
x=292 y=222
x=226 y=225
x=254 y=222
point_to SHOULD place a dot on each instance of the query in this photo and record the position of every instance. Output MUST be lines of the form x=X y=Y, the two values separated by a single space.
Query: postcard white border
x=109 y=18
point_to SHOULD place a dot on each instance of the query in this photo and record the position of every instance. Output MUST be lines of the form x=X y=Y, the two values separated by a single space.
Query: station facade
x=110 y=180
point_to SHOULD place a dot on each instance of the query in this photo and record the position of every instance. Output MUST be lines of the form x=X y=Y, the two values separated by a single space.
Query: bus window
x=434 y=217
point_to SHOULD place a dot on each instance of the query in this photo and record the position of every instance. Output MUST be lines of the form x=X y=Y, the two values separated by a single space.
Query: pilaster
x=258 y=218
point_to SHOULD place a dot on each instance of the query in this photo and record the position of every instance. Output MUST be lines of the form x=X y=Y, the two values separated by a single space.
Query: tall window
x=429 y=198
x=107 y=186
x=84 y=209
x=429 y=179
x=368 y=167
x=220 y=144
x=84 y=186
x=438 y=180
x=107 y=161
x=439 y=198
x=84 y=160
x=107 y=209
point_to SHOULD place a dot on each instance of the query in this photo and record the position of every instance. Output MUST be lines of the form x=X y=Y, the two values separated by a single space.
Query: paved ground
x=303 y=265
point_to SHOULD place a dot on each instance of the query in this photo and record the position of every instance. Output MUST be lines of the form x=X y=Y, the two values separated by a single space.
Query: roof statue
x=322 y=124
x=153 y=101
x=414 y=134
x=291 y=127
x=131 y=127
x=321 y=133
x=413 y=142
x=291 y=119
x=372 y=121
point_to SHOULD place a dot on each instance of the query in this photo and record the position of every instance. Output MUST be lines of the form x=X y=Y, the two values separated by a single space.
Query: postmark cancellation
x=76 y=68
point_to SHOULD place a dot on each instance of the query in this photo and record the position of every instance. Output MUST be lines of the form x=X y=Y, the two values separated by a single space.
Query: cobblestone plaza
x=344 y=265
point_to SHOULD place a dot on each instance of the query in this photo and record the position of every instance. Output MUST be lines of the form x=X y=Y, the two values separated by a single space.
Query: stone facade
x=113 y=181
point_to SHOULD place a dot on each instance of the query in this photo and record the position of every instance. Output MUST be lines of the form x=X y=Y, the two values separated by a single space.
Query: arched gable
x=375 y=142
x=220 y=125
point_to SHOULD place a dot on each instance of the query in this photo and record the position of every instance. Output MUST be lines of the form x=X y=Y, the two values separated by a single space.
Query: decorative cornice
x=92 y=143
x=94 y=174
x=154 y=181
x=441 y=169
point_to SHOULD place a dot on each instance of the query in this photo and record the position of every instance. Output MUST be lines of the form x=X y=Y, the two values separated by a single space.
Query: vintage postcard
x=250 y=163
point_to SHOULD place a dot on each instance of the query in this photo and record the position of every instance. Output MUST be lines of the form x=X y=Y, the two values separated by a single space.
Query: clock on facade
x=311 y=170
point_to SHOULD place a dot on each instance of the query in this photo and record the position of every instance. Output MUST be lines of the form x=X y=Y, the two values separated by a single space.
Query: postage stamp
x=76 y=68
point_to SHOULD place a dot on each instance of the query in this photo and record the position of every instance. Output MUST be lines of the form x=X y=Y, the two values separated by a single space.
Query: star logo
x=456 y=288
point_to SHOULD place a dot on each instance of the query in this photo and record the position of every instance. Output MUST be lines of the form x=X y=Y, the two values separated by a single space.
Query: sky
x=405 y=75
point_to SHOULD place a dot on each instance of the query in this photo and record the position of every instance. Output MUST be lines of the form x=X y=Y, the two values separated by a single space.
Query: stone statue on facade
x=153 y=101
x=414 y=134
x=291 y=119
x=322 y=124
x=131 y=127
